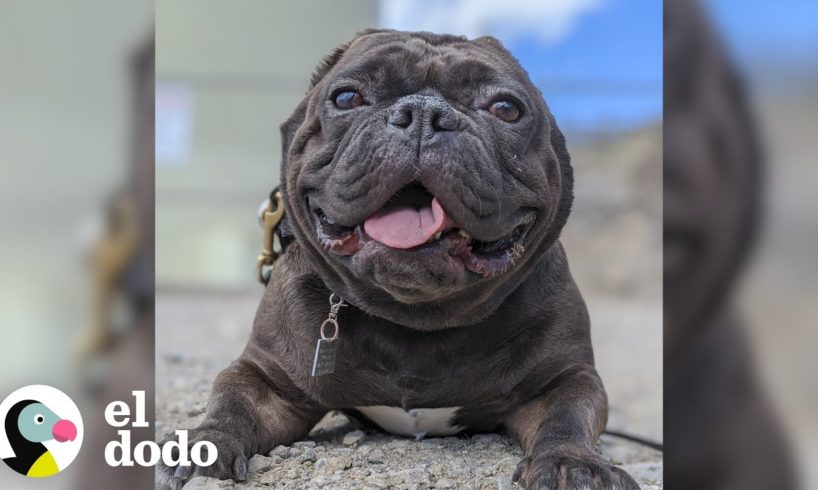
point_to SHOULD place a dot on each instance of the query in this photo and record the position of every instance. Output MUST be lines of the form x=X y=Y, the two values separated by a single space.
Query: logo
x=148 y=453
x=41 y=432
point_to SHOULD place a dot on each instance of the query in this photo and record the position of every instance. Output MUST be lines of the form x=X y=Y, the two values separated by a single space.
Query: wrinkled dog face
x=423 y=165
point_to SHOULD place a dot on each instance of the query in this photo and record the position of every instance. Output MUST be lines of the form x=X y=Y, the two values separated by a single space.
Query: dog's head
x=424 y=176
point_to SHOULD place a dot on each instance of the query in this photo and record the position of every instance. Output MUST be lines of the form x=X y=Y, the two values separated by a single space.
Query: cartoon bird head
x=38 y=423
x=28 y=424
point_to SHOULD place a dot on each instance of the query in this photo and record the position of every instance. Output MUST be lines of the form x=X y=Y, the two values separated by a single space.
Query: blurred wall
x=238 y=69
x=65 y=144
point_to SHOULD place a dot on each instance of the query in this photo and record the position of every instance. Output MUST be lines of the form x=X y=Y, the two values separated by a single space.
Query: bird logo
x=43 y=431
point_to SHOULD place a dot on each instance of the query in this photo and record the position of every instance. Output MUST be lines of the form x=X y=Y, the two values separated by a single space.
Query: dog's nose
x=424 y=113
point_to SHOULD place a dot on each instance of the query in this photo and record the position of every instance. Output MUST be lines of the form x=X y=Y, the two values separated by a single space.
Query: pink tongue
x=407 y=227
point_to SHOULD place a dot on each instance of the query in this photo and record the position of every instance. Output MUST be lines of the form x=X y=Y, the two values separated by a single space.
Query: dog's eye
x=506 y=110
x=348 y=99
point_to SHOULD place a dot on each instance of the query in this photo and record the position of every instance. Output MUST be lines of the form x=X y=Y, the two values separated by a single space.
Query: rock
x=340 y=463
x=375 y=457
x=204 y=483
x=321 y=463
x=377 y=481
x=309 y=456
x=319 y=482
x=266 y=479
x=485 y=439
x=411 y=478
x=260 y=464
x=352 y=437
x=645 y=472
x=399 y=444
x=622 y=452
x=304 y=444
x=444 y=483
x=354 y=474
x=282 y=452
x=504 y=483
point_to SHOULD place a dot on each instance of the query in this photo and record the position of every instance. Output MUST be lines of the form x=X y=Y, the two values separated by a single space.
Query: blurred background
x=228 y=73
x=774 y=49
x=740 y=240
x=75 y=90
x=777 y=51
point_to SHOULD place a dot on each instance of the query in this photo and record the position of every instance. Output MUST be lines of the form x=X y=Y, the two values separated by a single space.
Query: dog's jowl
x=425 y=182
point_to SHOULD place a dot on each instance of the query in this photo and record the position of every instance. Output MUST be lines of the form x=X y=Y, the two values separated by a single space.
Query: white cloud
x=550 y=21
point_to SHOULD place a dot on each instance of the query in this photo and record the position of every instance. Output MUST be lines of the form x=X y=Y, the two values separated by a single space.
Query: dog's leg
x=558 y=430
x=250 y=411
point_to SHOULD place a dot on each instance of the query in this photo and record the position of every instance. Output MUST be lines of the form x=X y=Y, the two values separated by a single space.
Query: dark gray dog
x=426 y=184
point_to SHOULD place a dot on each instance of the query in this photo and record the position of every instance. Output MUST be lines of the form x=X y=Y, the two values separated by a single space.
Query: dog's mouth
x=413 y=220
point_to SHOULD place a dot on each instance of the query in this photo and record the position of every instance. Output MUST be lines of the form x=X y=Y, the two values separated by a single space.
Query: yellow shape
x=44 y=466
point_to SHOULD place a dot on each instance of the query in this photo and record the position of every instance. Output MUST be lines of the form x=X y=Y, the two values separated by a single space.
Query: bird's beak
x=64 y=430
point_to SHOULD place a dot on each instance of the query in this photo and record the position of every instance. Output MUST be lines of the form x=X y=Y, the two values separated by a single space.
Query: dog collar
x=271 y=218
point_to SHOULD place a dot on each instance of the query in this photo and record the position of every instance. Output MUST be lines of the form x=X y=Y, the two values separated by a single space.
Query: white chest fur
x=417 y=422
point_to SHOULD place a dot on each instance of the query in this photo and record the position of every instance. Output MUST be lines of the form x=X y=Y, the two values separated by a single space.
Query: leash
x=637 y=439
x=274 y=224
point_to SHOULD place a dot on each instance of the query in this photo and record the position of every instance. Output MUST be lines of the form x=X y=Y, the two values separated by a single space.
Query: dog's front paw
x=230 y=464
x=571 y=468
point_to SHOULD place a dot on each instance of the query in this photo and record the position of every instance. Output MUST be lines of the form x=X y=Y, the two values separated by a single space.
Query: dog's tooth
x=464 y=235
x=438 y=235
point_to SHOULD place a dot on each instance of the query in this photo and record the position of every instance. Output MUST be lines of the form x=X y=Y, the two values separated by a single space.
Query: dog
x=425 y=184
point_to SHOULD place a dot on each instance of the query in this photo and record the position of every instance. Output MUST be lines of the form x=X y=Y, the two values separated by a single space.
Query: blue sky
x=760 y=31
x=607 y=73
x=597 y=62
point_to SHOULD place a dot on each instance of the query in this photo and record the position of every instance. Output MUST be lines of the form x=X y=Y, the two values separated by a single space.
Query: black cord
x=639 y=440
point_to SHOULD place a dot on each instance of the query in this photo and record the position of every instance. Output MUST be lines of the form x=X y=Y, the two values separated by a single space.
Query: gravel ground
x=198 y=334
